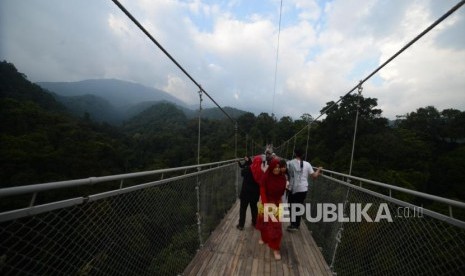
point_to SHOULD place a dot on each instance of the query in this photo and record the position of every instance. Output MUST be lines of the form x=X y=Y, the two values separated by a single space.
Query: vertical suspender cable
x=277 y=57
x=341 y=227
x=287 y=149
x=252 y=147
x=235 y=156
x=246 y=144
x=198 y=133
x=293 y=149
x=308 y=137
x=199 y=217
x=235 y=140
x=246 y=141
x=355 y=128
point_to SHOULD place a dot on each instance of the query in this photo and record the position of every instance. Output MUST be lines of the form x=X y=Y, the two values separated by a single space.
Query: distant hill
x=98 y=109
x=107 y=100
x=141 y=107
x=168 y=116
x=41 y=142
x=15 y=85
x=215 y=113
x=120 y=94
x=158 y=118
x=115 y=101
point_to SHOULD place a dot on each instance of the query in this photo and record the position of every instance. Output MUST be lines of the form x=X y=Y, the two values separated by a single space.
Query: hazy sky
x=229 y=47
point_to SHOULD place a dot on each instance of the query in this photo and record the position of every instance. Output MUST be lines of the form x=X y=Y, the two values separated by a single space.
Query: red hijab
x=256 y=168
x=272 y=185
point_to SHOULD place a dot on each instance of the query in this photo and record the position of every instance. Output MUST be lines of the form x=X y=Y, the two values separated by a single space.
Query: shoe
x=240 y=227
x=291 y=228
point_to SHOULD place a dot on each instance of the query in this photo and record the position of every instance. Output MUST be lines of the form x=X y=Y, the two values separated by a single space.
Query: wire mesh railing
x=156 y=227
x=151 y=228
x=407 y=239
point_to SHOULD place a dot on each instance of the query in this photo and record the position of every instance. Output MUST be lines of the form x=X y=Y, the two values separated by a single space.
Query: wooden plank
x=261 y=259
x=235 y=258
x=204 y=255
x=229 y=251
x=293 y=261
x=215 y=239
x=319 y=257
x=310 y=264
x=315 y=254
x=299 y=245
x=267 y=259
x=273 y=270
x=247 y=254
x=255 y=249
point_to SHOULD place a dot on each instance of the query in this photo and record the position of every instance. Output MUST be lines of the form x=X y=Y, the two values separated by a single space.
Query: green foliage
x=40 y=142
x=177 y=255
x=15 y=85
x=37 y=145
x=449 y=178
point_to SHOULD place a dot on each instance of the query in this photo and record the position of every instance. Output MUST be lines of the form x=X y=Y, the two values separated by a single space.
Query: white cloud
x=180 y=89
x=236 y=95
x=118 y=26
x=230 y=49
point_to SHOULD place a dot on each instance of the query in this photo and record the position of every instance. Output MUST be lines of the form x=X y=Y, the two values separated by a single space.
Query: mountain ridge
x=117 y=101
x=120 y=93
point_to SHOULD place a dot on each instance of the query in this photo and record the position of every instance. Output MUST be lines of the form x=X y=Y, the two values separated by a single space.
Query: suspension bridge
x=180 y=221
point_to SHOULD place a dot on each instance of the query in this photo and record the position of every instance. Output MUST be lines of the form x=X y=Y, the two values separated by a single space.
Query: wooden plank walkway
x=229 y=251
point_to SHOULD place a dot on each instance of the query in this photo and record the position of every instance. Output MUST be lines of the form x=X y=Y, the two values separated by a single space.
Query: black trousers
x=245 y=202
x=296 y=198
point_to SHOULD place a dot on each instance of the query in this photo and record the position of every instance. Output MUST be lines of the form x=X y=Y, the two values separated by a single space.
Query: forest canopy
x=41 y=141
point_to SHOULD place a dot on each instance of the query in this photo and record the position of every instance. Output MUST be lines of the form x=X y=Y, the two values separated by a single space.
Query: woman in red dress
x=272 y=187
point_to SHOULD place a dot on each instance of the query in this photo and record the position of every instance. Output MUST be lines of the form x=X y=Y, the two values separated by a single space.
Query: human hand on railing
x=317 y=173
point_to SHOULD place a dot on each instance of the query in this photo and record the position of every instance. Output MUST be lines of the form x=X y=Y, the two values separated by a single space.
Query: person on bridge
x=260 y=164
x=299 y=170
x=250 y=192
x=272 y=187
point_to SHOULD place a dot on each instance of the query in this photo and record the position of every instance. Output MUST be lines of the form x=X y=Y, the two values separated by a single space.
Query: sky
x=231 y=49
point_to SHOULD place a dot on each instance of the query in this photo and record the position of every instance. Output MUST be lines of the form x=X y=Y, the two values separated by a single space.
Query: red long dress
x=272 y=188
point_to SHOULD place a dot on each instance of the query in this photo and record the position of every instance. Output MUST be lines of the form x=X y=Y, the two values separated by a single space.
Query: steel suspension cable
x=429 y=28
x=122 y=8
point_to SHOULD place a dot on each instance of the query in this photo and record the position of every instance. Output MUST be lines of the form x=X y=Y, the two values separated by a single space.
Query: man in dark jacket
x=250 y=192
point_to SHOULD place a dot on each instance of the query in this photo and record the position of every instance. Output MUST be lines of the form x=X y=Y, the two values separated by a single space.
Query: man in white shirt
x=299 y=170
